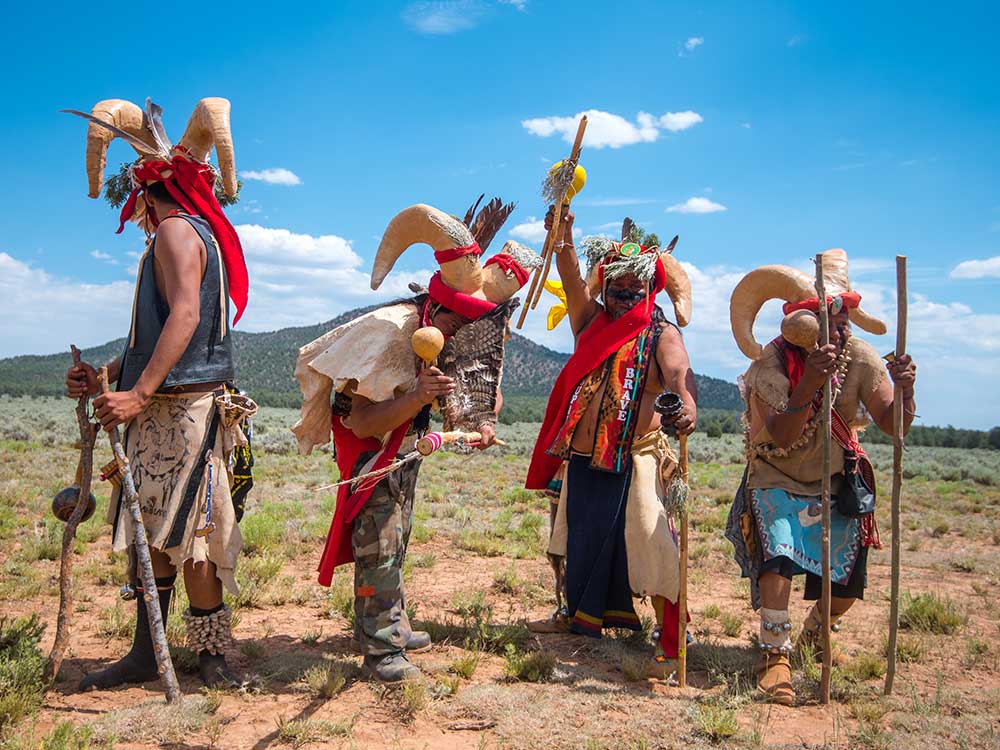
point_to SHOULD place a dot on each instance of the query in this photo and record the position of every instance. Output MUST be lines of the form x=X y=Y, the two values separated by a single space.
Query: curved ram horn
x=423 y=223
x=209 y=126
x=110 y=119
x=867 y=322
x=756 y=288
x=837 y=281
x=678 y=286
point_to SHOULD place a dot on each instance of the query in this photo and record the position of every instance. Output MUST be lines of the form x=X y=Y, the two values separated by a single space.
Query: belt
x=194 y=388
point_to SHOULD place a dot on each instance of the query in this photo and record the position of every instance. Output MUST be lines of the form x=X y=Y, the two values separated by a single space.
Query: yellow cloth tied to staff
x=559 y=311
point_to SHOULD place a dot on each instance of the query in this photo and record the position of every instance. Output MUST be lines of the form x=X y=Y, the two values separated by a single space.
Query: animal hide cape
x=474 y=358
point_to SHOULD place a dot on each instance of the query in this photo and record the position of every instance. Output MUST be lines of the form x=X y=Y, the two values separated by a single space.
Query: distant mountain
x=265 y=362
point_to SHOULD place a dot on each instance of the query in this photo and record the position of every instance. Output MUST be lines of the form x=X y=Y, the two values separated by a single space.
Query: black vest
x=209 y=355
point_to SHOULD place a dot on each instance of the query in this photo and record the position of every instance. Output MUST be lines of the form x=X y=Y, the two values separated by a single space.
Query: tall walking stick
x=897 y=472
x=159 y=637
x=824 y=330
x=558 y=183
x=82 y=506
x=682 y=589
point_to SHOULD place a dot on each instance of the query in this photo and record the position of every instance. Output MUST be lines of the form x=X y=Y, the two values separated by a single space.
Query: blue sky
x=773 y=130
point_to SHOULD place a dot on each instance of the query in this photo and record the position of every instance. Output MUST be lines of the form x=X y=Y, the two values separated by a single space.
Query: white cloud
x=605 y=129
x=443 y=16
x=745 y=125
x=43 y=313
x=532 y=230
x=519 y=4
x=101 y=255
x=678 y=121
x=273 y=176
x=695 y=41
x=612 y=201
x=989 y=268
x=796 y=40
x=696 y=205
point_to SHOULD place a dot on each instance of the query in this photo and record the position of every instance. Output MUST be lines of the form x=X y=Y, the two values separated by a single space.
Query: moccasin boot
x=774 y=678
x=810 y=640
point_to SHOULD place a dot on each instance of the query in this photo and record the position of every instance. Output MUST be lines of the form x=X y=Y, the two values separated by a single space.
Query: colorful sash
x=624 y=378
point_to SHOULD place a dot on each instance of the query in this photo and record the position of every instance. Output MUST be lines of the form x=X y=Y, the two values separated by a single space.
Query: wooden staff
x=150 y=593
x=548 y=248
x=84 y=478
x=824 y=332
x=683 y=562
x=897 y=473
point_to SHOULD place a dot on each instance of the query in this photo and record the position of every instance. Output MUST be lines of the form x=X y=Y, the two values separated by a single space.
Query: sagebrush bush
x=22 y=667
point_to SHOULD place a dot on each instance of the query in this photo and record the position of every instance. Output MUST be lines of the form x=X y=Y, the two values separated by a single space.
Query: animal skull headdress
x=609 y=260
x=798 y=290
x=184 y=169
x=463 y=284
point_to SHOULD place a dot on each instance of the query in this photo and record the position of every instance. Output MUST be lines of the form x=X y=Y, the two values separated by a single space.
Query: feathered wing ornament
x=139 y=145
x=154 y=124
x=474 y=358
x=490 y=220
x=472 y=211
x=628 y=228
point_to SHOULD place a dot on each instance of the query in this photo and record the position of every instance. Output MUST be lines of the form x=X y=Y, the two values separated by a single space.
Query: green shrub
x=716 y=722
x=534 y=666
x=929 y=613
x=22 y=667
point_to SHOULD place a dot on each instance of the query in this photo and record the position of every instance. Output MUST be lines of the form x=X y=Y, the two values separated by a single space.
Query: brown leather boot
x=810 y=638
x=774 y=678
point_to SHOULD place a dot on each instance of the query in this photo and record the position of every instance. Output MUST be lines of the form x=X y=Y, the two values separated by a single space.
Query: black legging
x=853 y=589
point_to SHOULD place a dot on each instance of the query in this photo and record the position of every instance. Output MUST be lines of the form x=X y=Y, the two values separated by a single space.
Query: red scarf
x=192 y=185
x=602 y=339
x=464 y=304
x=338 y=550
x=850 y=300
x=507 y=263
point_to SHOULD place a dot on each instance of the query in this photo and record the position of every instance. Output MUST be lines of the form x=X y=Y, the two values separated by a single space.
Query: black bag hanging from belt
x=856 y=496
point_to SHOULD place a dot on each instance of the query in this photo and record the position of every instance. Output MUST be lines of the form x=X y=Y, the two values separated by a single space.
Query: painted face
x=623 y=293
x=840 y=328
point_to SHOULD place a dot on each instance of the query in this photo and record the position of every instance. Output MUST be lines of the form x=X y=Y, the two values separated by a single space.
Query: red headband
x=464 y=304
x=443 y=256
x=507 y=263
x=192 y=185
x=850 y=300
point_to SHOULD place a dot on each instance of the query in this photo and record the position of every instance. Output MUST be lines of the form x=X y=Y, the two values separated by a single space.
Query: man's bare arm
x=376 y=418
x=880 y=402
x=179 y=259
x=675 y=369
x=581 y=306
x=179 y=256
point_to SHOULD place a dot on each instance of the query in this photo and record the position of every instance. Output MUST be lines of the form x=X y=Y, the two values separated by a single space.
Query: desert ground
x=475 y=571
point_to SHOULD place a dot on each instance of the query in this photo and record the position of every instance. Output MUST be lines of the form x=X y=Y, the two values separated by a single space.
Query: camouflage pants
x=379 y=537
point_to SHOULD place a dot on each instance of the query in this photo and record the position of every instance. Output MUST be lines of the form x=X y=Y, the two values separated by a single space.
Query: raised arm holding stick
x=563 y=181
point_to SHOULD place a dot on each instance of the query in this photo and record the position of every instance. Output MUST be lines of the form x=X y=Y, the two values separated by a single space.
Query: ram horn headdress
x=454 y=247
x=607 y=260
x=508 y=271
x=189 y=177
x=792 y=286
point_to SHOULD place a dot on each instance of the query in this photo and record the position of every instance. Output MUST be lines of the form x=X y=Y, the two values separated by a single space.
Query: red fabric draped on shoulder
x=602 y=338
x=192 y=185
